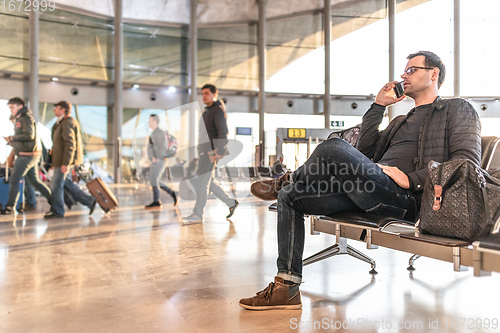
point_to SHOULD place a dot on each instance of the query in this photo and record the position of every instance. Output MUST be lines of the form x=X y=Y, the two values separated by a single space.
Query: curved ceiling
x=210 y=12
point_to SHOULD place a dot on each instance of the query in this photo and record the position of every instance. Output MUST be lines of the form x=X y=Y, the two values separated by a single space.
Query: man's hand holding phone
x=387 y=95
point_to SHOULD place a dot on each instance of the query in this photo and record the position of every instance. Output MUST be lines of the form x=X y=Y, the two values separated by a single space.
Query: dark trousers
x=205 y=183
x=337 y=177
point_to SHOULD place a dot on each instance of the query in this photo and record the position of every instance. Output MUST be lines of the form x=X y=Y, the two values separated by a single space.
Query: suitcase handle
x=102 y=196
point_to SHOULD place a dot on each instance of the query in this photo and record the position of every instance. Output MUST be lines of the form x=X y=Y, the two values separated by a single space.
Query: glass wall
x=81 y=46
x=227 y=57
x=480 y=22
x=14 y=38
x=73 y=45
x=155 y=55
x=433 y=22
x=359 y=50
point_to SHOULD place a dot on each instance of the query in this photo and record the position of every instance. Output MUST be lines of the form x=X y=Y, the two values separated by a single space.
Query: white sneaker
x=192 y=219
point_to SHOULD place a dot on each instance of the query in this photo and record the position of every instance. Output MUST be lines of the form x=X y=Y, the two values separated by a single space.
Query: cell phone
x=398 y=89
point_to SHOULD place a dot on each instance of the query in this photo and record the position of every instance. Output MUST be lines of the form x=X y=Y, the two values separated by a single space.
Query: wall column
x=261 y=46
x=118 y=90
x=34 y=34
x=327 y=18
x=391 y=4
x=456 y=48
x=193 y=73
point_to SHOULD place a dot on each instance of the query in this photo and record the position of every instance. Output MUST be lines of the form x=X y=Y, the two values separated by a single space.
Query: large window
x=480 y=24
x=359 y=50
x=155 y=55
x=13 y=46
x=227 y=57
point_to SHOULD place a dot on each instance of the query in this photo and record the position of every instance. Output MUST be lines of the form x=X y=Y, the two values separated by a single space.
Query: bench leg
x=411 y=261
x=326 y=253
x=457 y=267
x=340 y=248
x=313 y=221
x=361 y=256
x=477 y=262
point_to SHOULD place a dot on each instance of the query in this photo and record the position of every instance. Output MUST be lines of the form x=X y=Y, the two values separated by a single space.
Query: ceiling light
x=171 y=89
x=135 y=86
x=55 y=79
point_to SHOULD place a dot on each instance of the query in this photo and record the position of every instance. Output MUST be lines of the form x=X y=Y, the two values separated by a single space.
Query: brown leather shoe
x=268 y=189
x=274 y=297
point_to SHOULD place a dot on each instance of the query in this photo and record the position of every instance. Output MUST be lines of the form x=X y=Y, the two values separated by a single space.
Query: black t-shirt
x=403 y=148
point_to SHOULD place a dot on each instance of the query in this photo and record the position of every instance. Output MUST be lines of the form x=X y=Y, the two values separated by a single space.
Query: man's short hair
x=211 y=87
x=65 y=105
x=432 y=60
x=155 y=118
x=16 y=101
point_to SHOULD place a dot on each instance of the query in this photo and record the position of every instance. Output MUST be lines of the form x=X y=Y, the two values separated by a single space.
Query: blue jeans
x=58 y=186
x=337 y=177
x=155 y=171
x=205 y=183
x=25 y=166
x=29 y=193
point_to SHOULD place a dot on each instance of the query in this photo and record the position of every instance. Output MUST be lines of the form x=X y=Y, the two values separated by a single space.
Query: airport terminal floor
x=136 y=270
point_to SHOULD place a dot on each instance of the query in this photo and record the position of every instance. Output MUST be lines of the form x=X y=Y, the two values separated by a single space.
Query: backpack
x=172 y=145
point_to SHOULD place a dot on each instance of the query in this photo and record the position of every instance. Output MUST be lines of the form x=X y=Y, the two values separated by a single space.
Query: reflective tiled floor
x=143 y=271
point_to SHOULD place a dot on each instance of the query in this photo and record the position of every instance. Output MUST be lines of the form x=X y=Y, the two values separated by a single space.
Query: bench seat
x=376 y=230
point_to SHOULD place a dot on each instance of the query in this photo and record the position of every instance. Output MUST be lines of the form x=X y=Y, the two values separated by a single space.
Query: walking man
x=157 y=150
x=67 y=151
x=211 y=148
x=28 y=149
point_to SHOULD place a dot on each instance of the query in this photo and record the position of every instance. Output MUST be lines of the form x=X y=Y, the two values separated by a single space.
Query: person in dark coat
x=28 y=149
x=385 y=175
x=211 y=148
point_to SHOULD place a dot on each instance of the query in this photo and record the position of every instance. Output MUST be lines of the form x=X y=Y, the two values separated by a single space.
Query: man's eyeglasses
x=413 y=69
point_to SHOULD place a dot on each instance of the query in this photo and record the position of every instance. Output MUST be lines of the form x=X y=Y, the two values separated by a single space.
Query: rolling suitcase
x=105 y=198
x=4 y=189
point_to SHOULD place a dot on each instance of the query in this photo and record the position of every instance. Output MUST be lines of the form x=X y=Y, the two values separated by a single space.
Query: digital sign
x=296 y=133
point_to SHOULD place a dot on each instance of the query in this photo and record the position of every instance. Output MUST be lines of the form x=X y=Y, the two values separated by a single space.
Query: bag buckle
x=438 y=191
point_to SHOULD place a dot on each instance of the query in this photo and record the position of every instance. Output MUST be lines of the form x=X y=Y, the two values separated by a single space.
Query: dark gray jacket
x=450 y=130
x=25 y=140
x=213 y=130
x=157 y=145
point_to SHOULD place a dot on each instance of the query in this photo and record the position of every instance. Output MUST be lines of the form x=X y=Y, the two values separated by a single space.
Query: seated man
x=279 y=168
x=385 y=175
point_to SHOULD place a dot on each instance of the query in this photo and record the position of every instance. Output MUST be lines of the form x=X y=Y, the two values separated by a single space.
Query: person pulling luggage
x=67 y=151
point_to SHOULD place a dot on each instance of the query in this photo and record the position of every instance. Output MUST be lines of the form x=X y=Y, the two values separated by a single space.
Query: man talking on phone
x=385 y=175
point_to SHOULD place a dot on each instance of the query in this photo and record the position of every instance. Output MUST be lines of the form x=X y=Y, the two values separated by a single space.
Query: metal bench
x=376 y=230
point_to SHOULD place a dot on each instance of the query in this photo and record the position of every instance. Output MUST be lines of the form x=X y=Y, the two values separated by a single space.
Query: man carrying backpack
x=157 y=151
